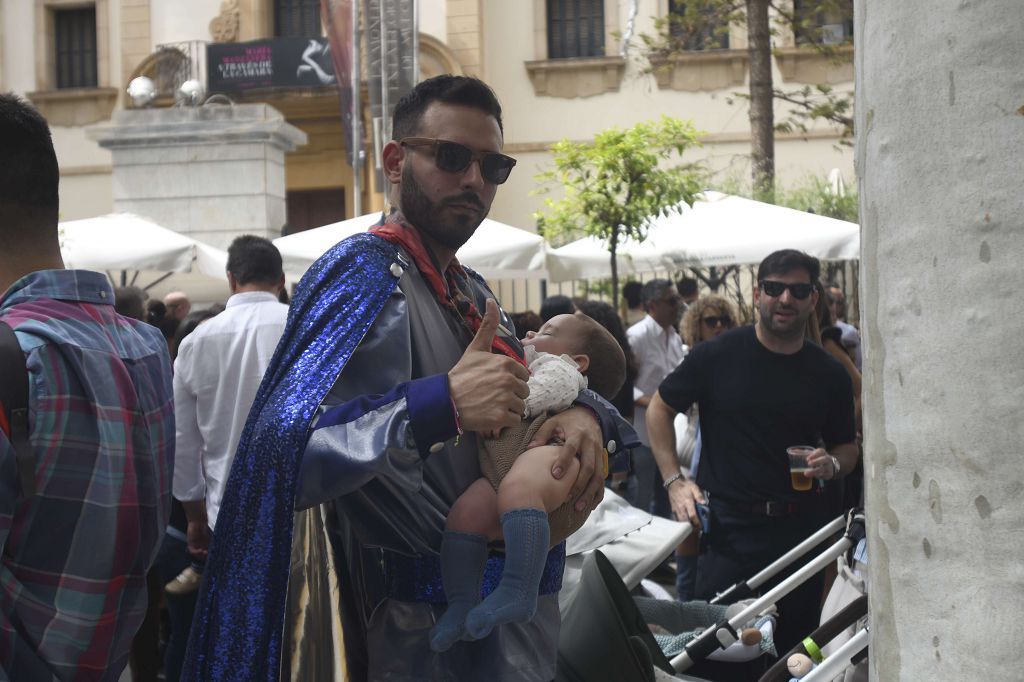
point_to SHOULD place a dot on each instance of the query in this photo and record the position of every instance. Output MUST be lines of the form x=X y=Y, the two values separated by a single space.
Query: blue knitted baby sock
x=526 y=551
x=463 y=559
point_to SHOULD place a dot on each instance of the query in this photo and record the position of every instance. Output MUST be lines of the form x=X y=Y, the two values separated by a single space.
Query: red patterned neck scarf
x=450 y=288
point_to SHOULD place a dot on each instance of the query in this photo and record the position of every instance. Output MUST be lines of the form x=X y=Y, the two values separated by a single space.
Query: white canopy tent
x=146 y=255
x=719 y=229
x=496 y=250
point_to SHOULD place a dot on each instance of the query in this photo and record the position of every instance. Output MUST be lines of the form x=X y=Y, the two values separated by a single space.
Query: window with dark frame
x=575 y=28
x=712 y=33
x=297 y=18
x=75 y=35
x=829 y=26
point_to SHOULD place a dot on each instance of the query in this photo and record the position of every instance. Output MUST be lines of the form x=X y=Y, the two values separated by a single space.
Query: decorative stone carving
x=224 y=27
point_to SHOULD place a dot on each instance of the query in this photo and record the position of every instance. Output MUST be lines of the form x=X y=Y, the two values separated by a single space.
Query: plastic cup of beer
x=798 y=467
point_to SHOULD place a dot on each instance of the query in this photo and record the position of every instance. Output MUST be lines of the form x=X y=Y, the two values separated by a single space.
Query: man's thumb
x=488 y=327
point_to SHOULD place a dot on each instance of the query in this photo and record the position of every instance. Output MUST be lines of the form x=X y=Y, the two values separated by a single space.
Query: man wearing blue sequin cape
x=389 y=366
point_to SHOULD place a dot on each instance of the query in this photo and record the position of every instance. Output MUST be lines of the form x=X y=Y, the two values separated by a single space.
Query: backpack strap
x=14 y=405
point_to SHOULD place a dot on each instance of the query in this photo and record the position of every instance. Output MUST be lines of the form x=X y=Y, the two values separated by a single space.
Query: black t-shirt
x=753 y=405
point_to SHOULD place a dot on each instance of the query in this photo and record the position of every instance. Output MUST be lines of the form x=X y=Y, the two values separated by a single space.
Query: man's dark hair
x=28 y=165
x=687 y=286
x=607 y=369
x=527 y=321
x=447 y=89
x=130 y=302
x=633 y=293
x=653 y=290
x=254 y=260
x=556 y=305
x=189 y=324
x=787 y=260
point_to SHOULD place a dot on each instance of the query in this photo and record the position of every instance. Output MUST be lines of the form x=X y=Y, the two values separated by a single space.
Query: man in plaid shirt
x=74 y=556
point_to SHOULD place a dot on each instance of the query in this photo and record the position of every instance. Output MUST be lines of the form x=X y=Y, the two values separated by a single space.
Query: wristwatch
x=835 y=466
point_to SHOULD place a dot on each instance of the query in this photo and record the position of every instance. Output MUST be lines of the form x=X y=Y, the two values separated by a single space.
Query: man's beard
x=426 y=216
x=793 y=330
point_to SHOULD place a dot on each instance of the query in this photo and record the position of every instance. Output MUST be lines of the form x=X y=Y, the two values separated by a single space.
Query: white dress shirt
x=216 y=375
x=657 y=351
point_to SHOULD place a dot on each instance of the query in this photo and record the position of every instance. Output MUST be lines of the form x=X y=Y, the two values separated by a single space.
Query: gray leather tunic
x=385 y=495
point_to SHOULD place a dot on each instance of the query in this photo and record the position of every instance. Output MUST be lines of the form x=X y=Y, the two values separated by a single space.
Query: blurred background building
x=558 y=67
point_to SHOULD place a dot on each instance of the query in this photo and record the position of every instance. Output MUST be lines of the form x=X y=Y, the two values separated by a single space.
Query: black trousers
x=740 y=545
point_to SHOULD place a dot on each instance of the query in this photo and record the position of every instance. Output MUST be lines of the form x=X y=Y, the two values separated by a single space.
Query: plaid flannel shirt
x=73 y=558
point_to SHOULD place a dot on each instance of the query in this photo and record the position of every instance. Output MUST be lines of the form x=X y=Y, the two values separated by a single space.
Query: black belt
x=770 y=508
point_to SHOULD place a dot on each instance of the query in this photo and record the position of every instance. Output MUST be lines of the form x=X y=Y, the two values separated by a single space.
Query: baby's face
x=559 y=336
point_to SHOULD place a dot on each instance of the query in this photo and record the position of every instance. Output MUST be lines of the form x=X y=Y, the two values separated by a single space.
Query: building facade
x=561 y=68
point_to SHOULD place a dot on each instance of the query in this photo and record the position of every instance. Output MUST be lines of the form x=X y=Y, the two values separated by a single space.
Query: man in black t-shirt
x=760 y=390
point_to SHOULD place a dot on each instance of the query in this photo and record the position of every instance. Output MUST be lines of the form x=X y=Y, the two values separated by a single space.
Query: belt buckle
x=774 y=508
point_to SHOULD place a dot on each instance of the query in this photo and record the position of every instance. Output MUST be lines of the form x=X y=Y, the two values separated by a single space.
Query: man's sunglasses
x=799 y=290
x=453 y=157
x=715 y=321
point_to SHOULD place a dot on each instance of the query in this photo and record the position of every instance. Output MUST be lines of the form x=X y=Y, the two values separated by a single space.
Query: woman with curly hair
x=706 y=318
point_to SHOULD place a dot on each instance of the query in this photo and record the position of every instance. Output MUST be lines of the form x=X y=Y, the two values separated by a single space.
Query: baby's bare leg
x=529 y=484
x=476 y=511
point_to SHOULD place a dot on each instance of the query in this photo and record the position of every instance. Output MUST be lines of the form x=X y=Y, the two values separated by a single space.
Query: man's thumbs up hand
x=489 y=390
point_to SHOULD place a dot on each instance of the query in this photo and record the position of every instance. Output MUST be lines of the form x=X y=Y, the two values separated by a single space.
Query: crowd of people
x=666 y=326
x=447 y=447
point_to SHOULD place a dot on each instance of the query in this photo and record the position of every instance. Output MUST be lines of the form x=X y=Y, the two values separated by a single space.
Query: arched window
x=297 y=18
x=575 y=28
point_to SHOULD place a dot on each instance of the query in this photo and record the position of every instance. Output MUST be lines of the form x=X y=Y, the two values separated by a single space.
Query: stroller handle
x=683 y=661
x=840 y=660
x=720 y=636
x=792 y=555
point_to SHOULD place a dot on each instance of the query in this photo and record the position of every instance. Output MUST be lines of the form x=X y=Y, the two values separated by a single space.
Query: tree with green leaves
x=704 y=24
x=614 y=184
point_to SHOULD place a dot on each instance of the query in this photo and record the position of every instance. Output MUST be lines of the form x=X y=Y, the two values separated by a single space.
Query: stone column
x=940 y=134
x=213 y=172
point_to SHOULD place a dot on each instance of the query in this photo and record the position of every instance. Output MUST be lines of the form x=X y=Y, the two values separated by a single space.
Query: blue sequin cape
x=237 y=630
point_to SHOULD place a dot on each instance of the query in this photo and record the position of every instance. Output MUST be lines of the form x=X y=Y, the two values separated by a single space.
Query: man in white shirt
x=216 y=375
x=658 y=350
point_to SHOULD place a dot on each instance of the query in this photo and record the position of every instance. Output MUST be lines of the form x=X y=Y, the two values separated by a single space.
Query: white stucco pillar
x=940 y=130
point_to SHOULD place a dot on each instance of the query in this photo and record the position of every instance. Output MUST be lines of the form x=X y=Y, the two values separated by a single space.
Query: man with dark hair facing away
x=84 y=506
x=216 y=375
x=393 y=359
x=688 y=290
x=632 y=296
x=556 y=305
x=760 y=390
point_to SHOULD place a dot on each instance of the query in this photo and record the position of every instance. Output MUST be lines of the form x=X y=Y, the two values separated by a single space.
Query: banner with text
x=276 y=63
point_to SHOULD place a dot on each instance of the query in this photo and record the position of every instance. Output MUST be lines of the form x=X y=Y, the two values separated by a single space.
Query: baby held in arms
x=514 y=497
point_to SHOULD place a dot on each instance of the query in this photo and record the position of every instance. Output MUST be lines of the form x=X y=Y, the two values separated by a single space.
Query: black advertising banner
x=276 y=63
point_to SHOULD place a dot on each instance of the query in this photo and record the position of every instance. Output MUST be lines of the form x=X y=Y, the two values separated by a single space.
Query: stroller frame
x=725 y=633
